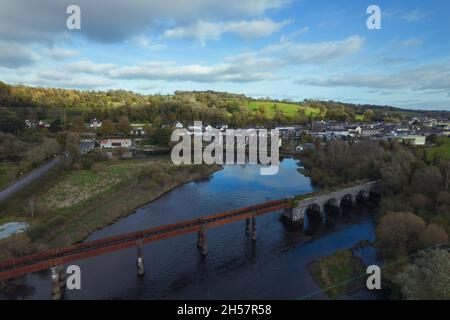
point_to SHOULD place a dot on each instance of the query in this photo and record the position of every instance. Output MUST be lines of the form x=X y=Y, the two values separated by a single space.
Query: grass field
x=288 y=109
x=443 y=149
x=7 y=174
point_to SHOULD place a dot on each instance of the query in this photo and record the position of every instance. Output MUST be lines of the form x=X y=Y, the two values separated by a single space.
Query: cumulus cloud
x=89 y=67
x=59 y=53
x=117 y=20
x=316 y=53
x=14 y=55
x=429 y=77
x=414 y=16
x=203 y=31
x=242 y=68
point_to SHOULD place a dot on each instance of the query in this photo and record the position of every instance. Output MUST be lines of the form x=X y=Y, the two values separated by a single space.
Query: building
x=86 y=146
x=115 y=143
x=137 y=129
x=94 y=124
x=414 y=140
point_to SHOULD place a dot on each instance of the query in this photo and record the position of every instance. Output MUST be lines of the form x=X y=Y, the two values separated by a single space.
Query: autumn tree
x=398 y=232
x=427 y=278
x=123 y=125
x=107 y=128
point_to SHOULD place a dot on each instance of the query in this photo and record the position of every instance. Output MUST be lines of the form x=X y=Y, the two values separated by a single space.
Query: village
x=294 y=138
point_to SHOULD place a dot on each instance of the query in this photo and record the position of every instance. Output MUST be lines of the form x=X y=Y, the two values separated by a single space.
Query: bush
x=98 y=167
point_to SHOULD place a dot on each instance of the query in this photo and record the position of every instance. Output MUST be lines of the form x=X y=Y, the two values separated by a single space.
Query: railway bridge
x=293 y=208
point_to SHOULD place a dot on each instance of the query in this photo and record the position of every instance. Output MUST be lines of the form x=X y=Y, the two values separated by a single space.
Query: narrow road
x=32 y=176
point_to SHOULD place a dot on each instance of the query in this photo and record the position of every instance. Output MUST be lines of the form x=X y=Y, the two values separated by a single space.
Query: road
x=32 y=176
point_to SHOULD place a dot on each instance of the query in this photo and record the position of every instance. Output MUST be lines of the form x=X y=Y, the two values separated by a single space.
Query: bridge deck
x=17 y=267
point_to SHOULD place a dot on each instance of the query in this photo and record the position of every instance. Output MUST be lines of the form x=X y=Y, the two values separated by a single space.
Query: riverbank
x=78 y=203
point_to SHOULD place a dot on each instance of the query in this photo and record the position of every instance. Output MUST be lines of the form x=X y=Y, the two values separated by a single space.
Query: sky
x=283 y=49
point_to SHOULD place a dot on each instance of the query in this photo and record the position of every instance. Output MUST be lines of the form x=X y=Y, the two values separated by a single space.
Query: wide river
x=272 y=267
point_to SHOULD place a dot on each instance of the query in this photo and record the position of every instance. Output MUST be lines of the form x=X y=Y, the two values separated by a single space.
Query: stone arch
x=361 y=196
x=346 y=199
x=314 y=211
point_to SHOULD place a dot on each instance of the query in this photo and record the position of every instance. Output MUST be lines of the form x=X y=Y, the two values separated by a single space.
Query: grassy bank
x=442 y=148
x=332 y=271
x=77 y=203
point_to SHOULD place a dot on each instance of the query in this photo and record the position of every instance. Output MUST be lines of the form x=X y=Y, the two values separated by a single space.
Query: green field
x=288 y=109
x=442 y=148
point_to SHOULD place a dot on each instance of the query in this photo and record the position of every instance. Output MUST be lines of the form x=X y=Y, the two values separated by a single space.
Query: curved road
x=32 y=176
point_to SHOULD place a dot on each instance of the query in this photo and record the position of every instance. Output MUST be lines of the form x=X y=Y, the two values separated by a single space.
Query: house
x=137 y=129
x=178 y=125
x=86 y=146
x=115 y=143
x=306 y=146
x=368 y=132
x=94 y=124
x=414 y=140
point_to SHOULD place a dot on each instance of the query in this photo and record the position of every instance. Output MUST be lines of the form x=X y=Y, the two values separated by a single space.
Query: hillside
x=187 y=106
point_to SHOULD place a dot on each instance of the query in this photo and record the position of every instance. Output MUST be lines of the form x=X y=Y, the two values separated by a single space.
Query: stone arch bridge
x=318 y=200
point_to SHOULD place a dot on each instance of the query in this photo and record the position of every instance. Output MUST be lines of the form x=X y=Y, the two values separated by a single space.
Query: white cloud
x=428 y=77
x=146 y=43
x=117 y=20
x=414 y=16
x=245 y=68
x=60 y=53
x=295 y=34
x=89 y=67
x=15 y=55
x=316 y=53
x=204 y=31
x=413 y=42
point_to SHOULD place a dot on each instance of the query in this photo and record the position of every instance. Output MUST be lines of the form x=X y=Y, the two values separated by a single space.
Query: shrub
x=98 y=167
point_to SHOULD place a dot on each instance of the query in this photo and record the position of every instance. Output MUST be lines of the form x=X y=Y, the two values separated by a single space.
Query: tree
x=124 y=125
x=107 y=127
x=427 y=180
x=398 y=232
x=10 y=122
x=56 y=125
x=431 y=236
x=78 y=124
x=427 y=278
x=368 y=115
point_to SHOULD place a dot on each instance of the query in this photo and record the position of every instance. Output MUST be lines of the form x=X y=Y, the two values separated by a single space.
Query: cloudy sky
x=292 y=49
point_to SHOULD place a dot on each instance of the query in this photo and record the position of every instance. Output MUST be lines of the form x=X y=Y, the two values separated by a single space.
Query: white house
x=95 y=124
x=178 y=125
x=115 y=143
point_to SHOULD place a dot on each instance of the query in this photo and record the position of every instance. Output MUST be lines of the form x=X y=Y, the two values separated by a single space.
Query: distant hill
x=208 y=106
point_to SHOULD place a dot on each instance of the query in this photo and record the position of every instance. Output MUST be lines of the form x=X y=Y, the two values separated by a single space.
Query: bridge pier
x=140 y=258
x=254 y=235
x=201 y=240
x=58 y=282
x=247 y=226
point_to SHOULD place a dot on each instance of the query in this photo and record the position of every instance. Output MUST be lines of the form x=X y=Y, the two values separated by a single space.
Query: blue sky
x=277 y=48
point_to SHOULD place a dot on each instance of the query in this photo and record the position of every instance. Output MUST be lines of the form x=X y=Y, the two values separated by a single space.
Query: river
x=272 y=267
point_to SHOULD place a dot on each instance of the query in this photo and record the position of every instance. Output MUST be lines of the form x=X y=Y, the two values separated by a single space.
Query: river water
x=272 y=267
